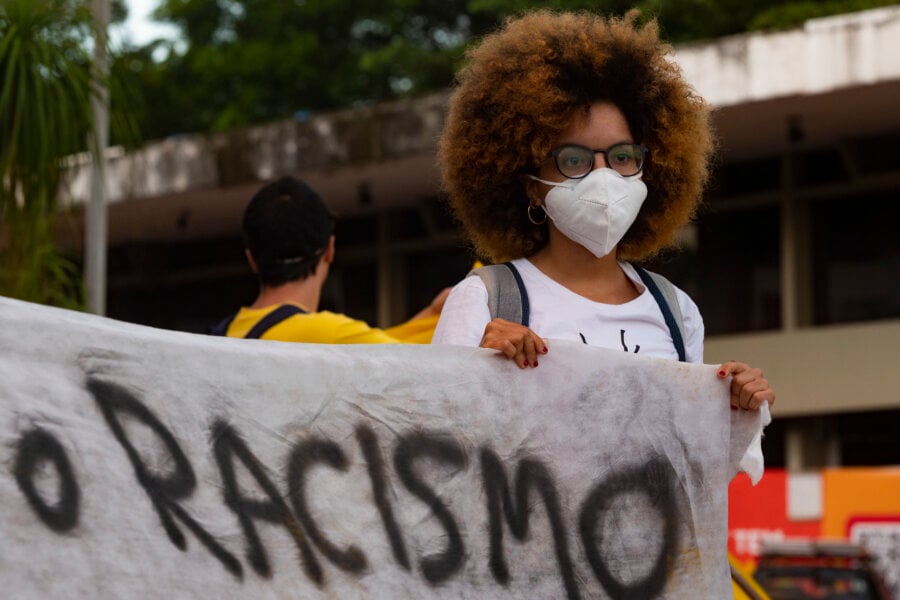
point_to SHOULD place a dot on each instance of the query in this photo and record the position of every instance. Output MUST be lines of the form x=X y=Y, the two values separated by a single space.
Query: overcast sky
x=139 y=28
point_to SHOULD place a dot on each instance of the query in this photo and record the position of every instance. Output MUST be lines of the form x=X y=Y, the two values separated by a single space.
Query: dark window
x=430 y=272
x=876 y=154
x=191 y=305
x=856 y=258
x=731 y=270
x=405 y=225
x=773 y=445
x=352 y=290
x=356 y=230
x=187 y=286
x=748 y=177
x=869 y=438
x=817 y=167
x=865 y=438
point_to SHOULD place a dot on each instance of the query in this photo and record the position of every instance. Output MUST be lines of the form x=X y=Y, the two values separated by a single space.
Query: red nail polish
x=535 y=363
x=721 y=373
x=545 y=350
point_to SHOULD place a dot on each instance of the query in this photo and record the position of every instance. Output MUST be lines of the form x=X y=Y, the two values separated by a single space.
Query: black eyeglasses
x=576 y=161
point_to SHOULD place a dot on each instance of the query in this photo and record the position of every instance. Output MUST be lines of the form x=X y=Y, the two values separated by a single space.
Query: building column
x=384 y=275
x=811 y=444
x=796 y=253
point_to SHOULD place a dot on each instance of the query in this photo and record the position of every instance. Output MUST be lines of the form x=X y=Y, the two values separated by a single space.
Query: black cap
x=286 y=227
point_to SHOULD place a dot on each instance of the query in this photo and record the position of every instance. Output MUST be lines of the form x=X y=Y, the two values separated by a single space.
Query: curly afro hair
x=520 y=89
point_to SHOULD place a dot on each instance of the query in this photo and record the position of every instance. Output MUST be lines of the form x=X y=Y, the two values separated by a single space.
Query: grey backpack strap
x=507 y=298
x=663 y=291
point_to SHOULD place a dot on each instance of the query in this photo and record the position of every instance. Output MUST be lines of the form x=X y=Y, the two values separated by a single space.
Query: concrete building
x=794 y=261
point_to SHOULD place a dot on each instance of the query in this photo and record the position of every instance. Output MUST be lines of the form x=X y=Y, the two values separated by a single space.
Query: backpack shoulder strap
x=663 y=291
x=222 y=328
x=507 y=297
x=272 y=319
x=269 y=321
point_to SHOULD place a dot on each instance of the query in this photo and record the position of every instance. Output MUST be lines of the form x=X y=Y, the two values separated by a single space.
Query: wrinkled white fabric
x=635 y=454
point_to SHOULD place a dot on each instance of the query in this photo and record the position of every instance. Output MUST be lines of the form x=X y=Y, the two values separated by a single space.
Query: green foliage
x=45 y=115
x=795 y=13
x=688 y=20
x=248 y=61
x=33 y=269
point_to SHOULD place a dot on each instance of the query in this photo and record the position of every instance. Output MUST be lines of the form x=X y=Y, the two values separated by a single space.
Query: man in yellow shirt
x=289 y=242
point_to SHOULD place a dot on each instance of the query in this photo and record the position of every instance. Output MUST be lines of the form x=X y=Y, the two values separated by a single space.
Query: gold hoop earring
x=531 y=217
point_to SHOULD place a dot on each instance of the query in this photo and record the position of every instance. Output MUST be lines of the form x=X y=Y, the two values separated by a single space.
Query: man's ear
x=250 y=260
x=328 y=255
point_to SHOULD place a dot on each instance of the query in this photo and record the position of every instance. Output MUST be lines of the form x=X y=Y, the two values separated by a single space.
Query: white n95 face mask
x=597 y=210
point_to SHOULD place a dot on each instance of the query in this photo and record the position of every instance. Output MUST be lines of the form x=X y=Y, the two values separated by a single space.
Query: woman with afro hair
x=572 y=147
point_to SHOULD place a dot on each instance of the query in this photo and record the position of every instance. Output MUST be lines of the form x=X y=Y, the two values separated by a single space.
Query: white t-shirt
x=558 y=313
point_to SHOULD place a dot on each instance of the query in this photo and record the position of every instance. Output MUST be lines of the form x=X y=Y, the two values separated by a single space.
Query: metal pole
x=95 y=224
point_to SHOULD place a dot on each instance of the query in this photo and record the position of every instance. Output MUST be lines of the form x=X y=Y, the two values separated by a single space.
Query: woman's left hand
x=749 y=389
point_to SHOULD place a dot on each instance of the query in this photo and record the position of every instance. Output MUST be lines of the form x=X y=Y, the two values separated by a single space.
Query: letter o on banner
x=655 y=479
x=33 y=448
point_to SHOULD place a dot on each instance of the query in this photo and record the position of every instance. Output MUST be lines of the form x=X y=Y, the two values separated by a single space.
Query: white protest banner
x=143 y=463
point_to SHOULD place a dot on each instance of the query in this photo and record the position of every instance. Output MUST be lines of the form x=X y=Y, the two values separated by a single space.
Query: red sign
x=759 y=513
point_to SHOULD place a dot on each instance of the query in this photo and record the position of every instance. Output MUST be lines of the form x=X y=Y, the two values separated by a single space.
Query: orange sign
x=859 y=495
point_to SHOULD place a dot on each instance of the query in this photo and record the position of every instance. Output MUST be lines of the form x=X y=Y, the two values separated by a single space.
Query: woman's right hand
x=516 y=341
